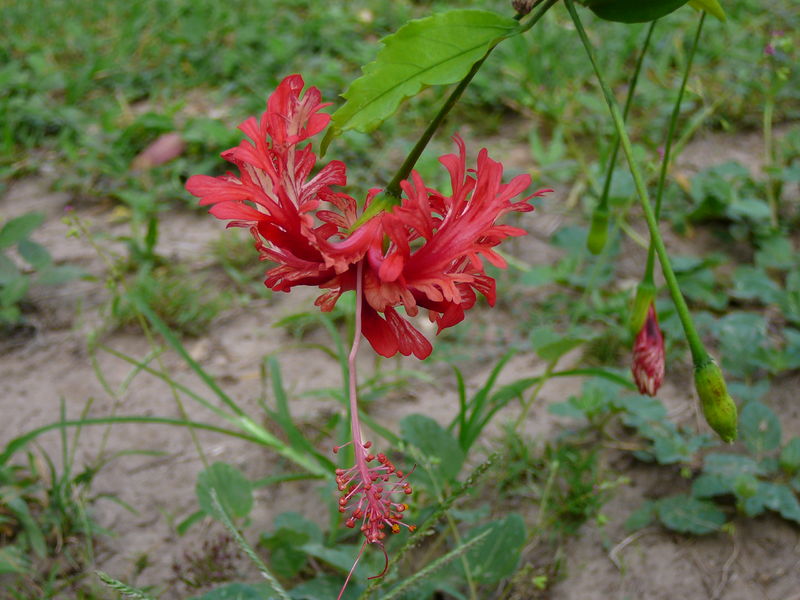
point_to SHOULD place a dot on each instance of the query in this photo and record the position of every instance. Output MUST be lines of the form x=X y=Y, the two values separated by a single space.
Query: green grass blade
x=123 y=588
x=435 y=565
x=243 y=421
x=21 y=441
x=284 y=417
x=176 y=344
x=247 y=549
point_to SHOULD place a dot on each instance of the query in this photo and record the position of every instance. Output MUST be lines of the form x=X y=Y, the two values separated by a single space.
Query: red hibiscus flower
x=427 y=252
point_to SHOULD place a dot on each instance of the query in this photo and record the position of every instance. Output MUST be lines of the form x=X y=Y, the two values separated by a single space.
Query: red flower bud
x=648 y=355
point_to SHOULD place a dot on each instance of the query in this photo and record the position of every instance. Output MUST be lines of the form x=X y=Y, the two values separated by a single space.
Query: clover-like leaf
x=774 y=496
x=234 y=490
x=237 y=591
x=496 y=556
x=760 y=428
x=20 y=228
x=434 y=442
x=689 y=515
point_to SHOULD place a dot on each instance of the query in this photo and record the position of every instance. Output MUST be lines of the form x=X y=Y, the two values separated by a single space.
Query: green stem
x=772 y=198
x=526 y=406
x=628 y=102
x=699 y=353
x=393 y=189
x=391 y=193
x=673 y=124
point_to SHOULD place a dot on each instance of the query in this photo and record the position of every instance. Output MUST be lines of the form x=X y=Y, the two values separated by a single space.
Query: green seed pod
x=718 y=407
x=632 y=11
x=598 y=232
x=645 y=295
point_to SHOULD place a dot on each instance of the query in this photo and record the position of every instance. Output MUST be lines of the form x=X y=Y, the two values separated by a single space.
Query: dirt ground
x=760 y=559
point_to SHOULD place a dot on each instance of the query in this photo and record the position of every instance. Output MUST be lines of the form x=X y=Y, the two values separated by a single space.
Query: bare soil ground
x=760 y=559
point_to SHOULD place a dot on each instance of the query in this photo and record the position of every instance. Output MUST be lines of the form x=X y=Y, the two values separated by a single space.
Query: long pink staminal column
x=367 y=491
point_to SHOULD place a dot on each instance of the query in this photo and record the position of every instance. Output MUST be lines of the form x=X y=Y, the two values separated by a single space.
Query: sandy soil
x=760 y=559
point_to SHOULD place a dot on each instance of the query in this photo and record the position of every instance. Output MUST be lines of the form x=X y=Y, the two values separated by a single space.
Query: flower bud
x=523 y=7
x=718 y=407
x=645 y=294
x=598 y=230
x=648 y=355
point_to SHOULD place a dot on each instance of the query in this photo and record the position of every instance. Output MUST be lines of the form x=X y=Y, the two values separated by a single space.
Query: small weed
x=216 y=561
x=178 y=297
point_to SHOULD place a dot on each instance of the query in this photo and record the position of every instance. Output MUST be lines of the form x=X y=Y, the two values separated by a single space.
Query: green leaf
x=19 y=508
x=58 y=274
x=753 y=283
x=774 y=496
x=551 y=345
x=291 y=532
x=701 y=285
x=34 y=254
x=297 y=523
x=689 y=515
x=776 y=252
x=434 y=442
x=324 y=587
x=8 y=270
x=745 y=487
x=642 y=516
x=760 y=428
x=284 y=417
x=343 y=555
x=669 y=445
x=731 y=465
x=744 y=392
x=186 y=523
x=496 y=557
x=437 y=50
x=633 y=11
x=790 y=456
x=712 y=7
x=19 y=229
x=537 y=275
x=639 y=408
x=709 y=484
x=234 y=490
x=237 y=591
x=743 y=342
x=791 y=351
x=14 y=291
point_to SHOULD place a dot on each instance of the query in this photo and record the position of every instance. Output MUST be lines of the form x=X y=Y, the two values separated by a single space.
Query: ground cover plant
x=475 y=466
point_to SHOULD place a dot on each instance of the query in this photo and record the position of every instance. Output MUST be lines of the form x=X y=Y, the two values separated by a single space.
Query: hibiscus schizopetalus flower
x=426 y=253
x=648 y=355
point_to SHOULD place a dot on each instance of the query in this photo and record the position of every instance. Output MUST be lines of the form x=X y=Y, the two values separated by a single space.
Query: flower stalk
x=673 y=123
x=392 y=192
x=598 y=233
x=367 y=491
x=718 y=407
x=698 y=351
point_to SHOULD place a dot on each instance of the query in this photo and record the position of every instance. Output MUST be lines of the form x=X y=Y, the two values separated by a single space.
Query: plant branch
x=673 y=123
x=393 y=188
x=699 y=353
